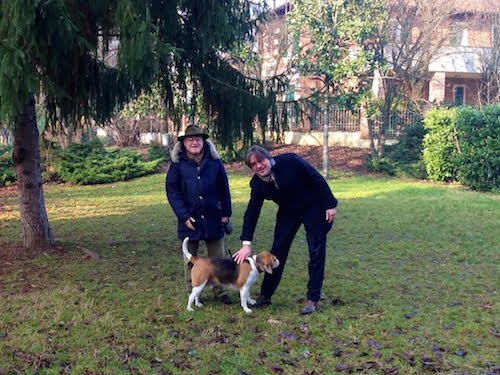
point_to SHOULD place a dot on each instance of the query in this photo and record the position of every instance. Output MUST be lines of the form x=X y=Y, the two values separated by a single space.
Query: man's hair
x=259 y=152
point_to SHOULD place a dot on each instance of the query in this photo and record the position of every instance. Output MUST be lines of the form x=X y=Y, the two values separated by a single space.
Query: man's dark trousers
x=287 y=224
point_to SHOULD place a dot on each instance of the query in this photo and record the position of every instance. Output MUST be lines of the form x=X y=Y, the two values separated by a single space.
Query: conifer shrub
x=7 y=170
x=91 y=163
x=157 y=151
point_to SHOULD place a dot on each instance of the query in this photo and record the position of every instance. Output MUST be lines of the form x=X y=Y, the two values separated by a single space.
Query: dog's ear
x=261 y=264
x=268 y=269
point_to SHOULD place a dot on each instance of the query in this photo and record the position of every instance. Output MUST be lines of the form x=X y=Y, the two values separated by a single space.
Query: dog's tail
x=185 y=250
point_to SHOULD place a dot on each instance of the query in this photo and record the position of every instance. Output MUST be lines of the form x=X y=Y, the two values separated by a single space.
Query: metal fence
x=301 y=116
x=306 y=117
x=397 y=122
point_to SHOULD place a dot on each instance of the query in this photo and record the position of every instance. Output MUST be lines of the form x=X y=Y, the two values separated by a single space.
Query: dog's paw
x=247 y=310
x=251 y=301
x=190 y=309
x=199 y=304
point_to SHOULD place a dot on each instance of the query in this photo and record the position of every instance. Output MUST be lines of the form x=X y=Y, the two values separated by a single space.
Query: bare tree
x=490 y=62
x=413 y=36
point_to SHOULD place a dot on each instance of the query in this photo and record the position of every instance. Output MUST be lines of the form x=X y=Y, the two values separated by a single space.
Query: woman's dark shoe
x=262 y=301
x=225 y=299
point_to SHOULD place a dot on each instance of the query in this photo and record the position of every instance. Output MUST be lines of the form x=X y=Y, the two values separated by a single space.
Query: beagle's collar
x=253 y=263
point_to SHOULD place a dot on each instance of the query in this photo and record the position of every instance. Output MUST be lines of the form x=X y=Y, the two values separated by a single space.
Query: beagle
x=226 y=272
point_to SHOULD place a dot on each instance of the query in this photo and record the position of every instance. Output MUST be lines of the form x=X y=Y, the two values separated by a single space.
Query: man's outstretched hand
x=242 y=254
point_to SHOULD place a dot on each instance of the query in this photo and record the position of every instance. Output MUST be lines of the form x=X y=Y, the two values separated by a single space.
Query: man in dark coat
x=198 y=191
x=303 y=197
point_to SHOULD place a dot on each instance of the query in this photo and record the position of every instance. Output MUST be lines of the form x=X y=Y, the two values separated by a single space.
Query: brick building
x=454 y=73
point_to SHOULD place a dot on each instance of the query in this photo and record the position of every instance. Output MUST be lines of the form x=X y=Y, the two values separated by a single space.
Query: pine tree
x=54 y=51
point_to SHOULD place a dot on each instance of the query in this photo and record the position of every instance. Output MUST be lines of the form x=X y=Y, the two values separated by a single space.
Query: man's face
x=261 y=167
x=193 y=144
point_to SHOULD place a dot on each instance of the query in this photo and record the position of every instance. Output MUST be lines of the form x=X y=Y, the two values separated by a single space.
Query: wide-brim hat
x=192 y=130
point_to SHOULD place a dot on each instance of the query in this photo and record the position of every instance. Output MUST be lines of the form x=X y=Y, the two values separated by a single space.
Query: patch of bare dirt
x=30 y=276
x=8 y=191
x=344 y=159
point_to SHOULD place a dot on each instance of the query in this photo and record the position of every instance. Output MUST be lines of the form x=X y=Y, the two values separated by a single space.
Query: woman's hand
x=189 y=223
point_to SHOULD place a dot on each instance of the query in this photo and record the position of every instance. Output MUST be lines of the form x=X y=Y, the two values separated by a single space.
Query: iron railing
x=306 y=117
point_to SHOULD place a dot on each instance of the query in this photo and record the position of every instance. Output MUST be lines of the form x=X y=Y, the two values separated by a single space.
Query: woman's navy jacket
x=300 y=188
x=200 y=192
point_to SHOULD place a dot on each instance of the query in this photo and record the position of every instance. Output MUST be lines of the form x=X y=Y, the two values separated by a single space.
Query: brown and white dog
x=226 y=272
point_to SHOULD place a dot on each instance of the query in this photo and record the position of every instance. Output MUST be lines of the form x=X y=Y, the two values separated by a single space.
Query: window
x=459 y=35
x=459 y=95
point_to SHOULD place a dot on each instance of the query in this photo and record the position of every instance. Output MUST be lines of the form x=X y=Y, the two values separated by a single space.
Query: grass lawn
x=411 y=286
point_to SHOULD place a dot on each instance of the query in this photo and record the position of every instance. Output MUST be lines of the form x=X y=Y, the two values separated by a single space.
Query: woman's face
x=193 y=144
x=261 y=167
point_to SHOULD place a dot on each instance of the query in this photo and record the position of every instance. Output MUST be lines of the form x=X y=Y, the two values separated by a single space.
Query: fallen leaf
x=371 y=365
x=337 y=302
x=428 y=364
x=276 y=368
x=374 y=344
x=337 y=352
x=344 y=368
x=181 y=365
x=410 y=358
x=273 y=321
x=289 y=362
x=411 y=314
x=288 y=335
x=390 y=371
x=495 y=331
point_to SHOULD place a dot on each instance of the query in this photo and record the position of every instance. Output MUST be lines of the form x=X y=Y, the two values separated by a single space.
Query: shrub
x=7 y=169
x=440 y=144
x=403 y=158
x=91 y=163
x=157 y=151
x=479 y=157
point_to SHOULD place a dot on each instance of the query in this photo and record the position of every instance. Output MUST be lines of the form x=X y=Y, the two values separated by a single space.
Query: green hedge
x=464 y=145
x=479 y=153
x=440 y=144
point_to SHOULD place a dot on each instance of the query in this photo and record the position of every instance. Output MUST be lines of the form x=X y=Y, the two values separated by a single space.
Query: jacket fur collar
x=175 y=154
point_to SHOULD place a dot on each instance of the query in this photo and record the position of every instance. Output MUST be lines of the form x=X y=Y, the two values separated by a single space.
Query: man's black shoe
x=309 y=307
x=263 y=301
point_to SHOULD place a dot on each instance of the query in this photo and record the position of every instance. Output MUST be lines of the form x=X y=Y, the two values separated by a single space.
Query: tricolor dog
x=226 y=272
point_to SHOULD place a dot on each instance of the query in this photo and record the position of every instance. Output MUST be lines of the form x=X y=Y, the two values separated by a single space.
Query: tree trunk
x=34 y=222
x=326 y=122
x=371 y=136
x=325 y=140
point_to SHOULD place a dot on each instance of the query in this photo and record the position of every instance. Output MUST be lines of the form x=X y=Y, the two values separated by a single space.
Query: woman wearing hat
x=198 y=191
